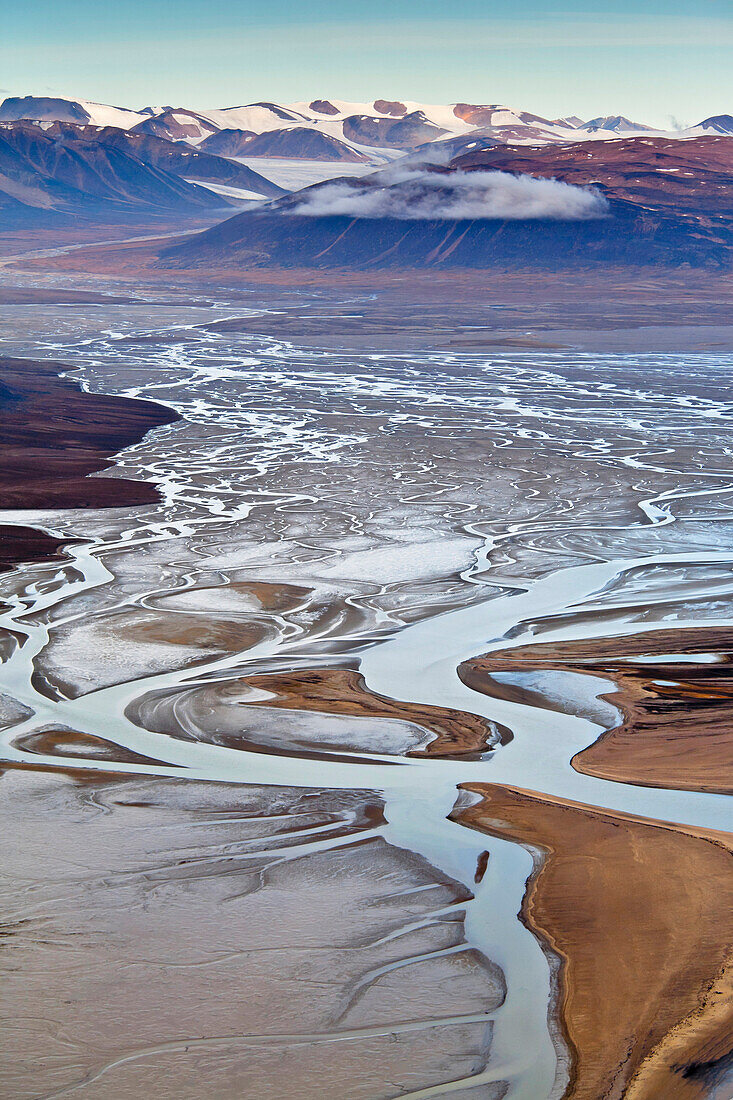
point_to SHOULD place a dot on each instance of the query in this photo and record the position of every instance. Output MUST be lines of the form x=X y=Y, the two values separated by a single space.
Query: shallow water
x=427 y=507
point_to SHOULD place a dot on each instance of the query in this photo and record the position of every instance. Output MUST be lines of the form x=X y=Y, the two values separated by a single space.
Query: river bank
x=241 y=700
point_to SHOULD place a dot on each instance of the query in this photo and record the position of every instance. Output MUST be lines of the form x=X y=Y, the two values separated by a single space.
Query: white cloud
x=418 y=195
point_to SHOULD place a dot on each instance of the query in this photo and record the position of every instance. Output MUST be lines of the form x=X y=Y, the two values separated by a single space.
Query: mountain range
x=58 y=173
x=370 y=129
x=649 y=201
x=387 y=183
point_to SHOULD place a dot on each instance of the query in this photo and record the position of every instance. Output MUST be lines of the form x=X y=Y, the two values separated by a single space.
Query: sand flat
x=641 y=916
x=674 y=693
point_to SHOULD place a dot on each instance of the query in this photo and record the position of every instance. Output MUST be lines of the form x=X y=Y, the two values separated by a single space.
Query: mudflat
x=641 y=918
x=674 y=692
x=54 y=436
x=245 y=702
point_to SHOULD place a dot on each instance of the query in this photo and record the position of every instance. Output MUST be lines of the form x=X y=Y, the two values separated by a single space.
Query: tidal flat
x=378 y=746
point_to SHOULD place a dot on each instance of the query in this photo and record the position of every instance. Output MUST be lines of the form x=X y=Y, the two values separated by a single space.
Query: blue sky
x=655 y=61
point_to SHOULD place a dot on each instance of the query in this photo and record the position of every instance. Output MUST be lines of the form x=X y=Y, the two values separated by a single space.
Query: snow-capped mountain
x=176 y=125
x=616 y=124
x=82 y=112
x=372 y=132
x=717 y=124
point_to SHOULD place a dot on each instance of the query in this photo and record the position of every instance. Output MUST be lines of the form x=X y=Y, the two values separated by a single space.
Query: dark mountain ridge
x=43 y=108
x=667 y=203
x=294 y=143
x=46 y=179
x=175 y=124
x=176 y=157
x=404 y=132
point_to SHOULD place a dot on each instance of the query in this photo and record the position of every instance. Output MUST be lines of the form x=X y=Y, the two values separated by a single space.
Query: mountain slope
x=177 y=124
x=175 y=157
x=690 y=177
x=227 y=143
x=43 y=179
x=617 y=124
x=389 y=133
x=717 y=124
x=661 y=202
x=55 y=109
x=293 y=144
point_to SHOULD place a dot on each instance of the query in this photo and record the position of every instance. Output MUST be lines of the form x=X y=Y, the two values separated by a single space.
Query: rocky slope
x=693 y=176
x=639 y=201
x=177 y=124
x=61 y=173
x=195 y=164
x=296 y=143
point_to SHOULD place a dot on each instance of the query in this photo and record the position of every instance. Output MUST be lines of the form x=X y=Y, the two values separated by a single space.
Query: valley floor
x=380 y=748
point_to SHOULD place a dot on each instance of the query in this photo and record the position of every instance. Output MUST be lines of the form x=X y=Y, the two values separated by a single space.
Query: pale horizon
x=667 y=67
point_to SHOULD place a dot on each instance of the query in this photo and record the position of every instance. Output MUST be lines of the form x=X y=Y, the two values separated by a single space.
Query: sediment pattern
x=676 y=721
x=398 y=646
x=645 y=1003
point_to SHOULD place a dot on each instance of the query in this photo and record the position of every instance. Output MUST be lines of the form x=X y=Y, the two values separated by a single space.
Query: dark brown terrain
x=669 y=203
x=676 y=724
x=54 y=436
x=26 y=544
x=658 y=174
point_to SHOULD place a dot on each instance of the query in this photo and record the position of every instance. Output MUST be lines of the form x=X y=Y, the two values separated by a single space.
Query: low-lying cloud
x=419 y=195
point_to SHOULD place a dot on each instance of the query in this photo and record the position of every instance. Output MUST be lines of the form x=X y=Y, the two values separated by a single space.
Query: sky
x=664 y=62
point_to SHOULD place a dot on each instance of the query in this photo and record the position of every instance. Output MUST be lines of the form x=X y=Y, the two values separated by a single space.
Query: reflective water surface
x=217 y=895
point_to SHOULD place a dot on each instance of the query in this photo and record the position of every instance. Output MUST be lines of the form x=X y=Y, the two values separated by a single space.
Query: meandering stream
x=538 y=491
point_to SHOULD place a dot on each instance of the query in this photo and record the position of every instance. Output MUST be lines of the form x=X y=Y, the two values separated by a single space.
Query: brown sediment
x=54 y=436
x=27 y=544
x=344 y=692
x=82 y=777
x=61 y=742
x=677 y=716
x=269 y=596
x=641 y=918
x=131 y=644
x=38 y=295
x=205 y=633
